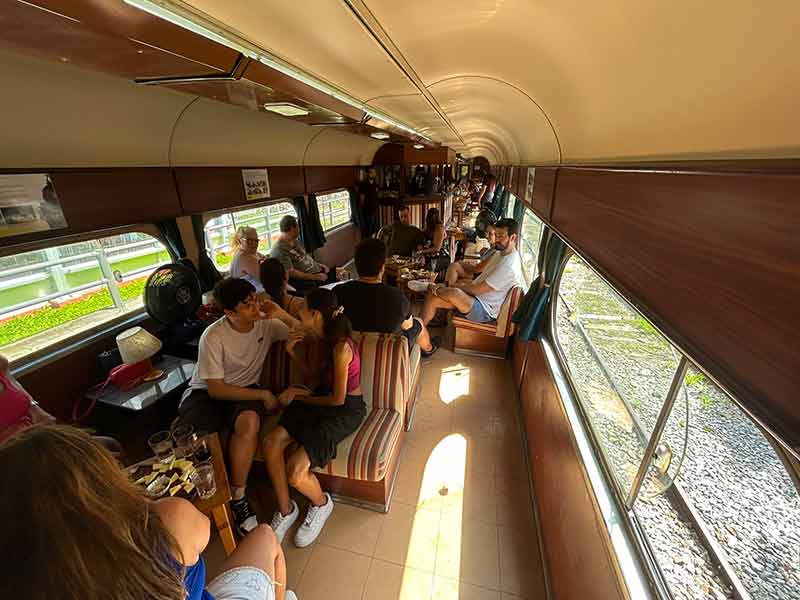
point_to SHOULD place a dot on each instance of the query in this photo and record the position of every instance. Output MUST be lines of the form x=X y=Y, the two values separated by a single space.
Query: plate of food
x=419 y=285
x=161 y=479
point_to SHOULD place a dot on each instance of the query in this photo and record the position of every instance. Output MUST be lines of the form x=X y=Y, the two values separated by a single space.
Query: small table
x=455 y=235
x=177 y=371
x=217 y=505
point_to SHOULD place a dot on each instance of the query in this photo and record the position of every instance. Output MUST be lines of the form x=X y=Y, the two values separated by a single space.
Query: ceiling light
x=178 y=14
x=418 y=147
x=379 y=135
x=287 y=109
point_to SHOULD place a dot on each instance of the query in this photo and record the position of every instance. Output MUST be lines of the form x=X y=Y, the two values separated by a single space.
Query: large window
x=334 y=209
x=265 y=219
x=512 y=202
x=530 y=235
x=52 y=294
x=714 y=491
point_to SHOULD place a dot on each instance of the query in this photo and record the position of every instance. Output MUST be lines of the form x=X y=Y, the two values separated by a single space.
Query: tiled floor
x=461 y=524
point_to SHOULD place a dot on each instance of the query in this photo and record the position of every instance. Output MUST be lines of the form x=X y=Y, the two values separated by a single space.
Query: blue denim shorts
x=478 y=313
x=242 y=583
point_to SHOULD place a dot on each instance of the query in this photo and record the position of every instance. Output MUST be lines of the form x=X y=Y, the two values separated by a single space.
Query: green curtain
x=531 y=314
x=172 y=236
x=206 y=269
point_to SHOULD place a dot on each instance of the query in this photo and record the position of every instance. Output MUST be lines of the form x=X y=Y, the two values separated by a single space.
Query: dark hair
x=273 y=277
x=288 y=222
x=432 y=219
x=229 y=292
x=337 y=326
x=400 y=208
x=369 y=257
x=509 y=224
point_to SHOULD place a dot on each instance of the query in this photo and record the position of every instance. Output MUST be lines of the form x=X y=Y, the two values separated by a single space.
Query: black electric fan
x=172 y=294
x=484 y=219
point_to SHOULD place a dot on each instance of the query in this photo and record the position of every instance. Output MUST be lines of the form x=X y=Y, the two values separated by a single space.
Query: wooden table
x=217 y=506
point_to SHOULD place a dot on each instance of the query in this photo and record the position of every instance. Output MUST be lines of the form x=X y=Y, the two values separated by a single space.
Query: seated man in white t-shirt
x=224 y=392
x=480 y=300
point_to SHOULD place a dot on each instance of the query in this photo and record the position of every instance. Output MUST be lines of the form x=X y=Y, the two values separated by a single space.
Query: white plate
x=419 y=285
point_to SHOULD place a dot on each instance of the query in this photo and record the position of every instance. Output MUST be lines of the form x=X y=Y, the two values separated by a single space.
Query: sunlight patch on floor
x=454 y=383
x=443 y=479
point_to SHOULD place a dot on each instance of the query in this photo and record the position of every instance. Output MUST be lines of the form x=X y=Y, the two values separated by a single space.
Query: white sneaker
x=313 y=523
x=280 y=524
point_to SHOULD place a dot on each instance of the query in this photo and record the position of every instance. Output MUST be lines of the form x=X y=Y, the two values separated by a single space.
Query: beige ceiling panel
x=45 y=107
x=320 y=36
x=499 y=112
x=332 y=147
x=211 y=133
x=414 y=110
x=623 y=80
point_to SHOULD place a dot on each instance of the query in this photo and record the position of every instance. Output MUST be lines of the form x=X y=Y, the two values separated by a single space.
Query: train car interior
x=581 y=222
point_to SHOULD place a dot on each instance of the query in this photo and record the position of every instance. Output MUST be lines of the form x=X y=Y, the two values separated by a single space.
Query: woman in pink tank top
x=18 y=411
x=314 y=424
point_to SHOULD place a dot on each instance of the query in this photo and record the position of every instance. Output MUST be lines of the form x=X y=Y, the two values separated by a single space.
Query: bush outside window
x=334 y=209
x=710 y=452
x=51 y=294
x=265 y=220
x=512 y=201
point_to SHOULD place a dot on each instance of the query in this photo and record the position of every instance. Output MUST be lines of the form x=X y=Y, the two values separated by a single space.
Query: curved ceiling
x=627 y=80
x=133 y=126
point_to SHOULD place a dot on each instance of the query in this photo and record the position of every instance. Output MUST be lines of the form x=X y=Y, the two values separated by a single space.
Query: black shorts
x=207 y=415
x=412 y=333
x=319 y=429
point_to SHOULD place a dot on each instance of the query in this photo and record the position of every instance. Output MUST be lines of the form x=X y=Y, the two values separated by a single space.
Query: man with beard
x=480 y=300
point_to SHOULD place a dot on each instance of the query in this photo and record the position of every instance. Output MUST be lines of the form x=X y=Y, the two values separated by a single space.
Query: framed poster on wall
x=28 y=203
x=256 y=184
x=529 y=186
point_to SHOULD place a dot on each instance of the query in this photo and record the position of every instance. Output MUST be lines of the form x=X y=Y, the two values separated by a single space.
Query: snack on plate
x=159 y=479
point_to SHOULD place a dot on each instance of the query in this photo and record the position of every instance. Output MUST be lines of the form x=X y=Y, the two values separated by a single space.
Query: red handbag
x=124 y=377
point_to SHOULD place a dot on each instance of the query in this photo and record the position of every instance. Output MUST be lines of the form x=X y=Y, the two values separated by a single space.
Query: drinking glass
x=202 y=451
x=161 y=444
x=203 y=479
x=184 y=438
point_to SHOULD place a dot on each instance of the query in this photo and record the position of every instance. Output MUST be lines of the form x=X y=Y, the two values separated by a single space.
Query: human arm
x=295 y=274
x=190 y=528
x=219 y=390
x=272 y=310
x=474 y=289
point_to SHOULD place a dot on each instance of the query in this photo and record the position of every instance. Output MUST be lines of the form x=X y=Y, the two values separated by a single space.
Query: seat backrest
x=385 y=375
x=505 y=326
x=276 y=373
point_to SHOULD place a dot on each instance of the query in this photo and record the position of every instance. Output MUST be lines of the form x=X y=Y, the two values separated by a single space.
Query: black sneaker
x=436 y=341
x=244 y=516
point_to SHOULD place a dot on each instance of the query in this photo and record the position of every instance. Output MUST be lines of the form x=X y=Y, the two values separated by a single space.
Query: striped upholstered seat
x=368 y=453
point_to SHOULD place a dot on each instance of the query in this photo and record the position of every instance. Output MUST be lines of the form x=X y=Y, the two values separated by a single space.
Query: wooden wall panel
x=713 y=259
x=339 y=246
x=574 y=539
x=213 y=188
x=543 y=191
x=322 y=179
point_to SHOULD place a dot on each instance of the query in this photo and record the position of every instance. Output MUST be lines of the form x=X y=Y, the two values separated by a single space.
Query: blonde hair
x=76 y=527
x=237 y=241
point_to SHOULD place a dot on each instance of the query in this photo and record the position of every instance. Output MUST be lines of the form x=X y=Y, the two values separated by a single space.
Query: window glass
x=51 y=294
x=531 y=233
x=512 y=202
x=334 y=209
x=738 y=486
x=265 y=219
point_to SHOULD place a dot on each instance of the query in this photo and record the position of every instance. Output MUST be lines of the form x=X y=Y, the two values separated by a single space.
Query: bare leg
x=260 y=549
x=424 y=338
x=454 y=272
x=457 y=298
x=243 y=444
x=431 y=305
x=302 y=479
x=277 y=441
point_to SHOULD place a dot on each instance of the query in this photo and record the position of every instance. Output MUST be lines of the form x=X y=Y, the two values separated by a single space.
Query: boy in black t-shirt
x=371 y=305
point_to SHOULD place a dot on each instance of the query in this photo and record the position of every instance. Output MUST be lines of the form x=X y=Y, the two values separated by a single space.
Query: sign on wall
x=529 y=186
x=28 y=203
x=256 y=184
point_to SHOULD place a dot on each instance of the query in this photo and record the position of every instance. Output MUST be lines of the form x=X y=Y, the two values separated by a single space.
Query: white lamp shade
x=137 y=344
